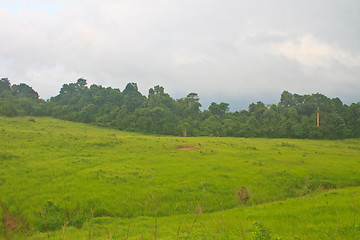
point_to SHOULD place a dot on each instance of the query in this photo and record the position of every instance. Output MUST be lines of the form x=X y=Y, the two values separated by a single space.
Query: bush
x=242 y=195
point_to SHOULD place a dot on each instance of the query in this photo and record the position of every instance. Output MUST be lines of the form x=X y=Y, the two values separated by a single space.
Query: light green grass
x=327 y=215
x=52 y=171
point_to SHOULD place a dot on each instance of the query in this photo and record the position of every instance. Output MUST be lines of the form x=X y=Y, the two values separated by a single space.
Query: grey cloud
x=217 y=49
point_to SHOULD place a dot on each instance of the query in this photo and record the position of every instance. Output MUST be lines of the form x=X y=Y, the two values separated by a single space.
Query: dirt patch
x=186 y=148
x=9 y=222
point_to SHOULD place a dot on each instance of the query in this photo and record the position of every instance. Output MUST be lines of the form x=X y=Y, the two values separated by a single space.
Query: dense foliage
x=312 y=116
x=20 y=100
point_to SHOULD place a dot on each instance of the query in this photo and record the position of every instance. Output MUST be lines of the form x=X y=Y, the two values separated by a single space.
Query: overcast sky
x=233 y=51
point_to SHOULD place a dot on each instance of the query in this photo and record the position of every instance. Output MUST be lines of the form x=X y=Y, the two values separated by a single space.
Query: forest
x=312 y=116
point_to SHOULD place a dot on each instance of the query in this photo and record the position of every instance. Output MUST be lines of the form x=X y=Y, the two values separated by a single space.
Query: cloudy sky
x=233 y=51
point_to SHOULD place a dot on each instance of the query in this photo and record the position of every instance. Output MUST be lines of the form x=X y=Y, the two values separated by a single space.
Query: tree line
x=312 y=116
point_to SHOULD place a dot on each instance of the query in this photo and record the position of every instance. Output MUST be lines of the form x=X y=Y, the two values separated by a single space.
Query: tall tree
x=132 y=97
x=24 y=90
x=219 y=110
x=4 y=85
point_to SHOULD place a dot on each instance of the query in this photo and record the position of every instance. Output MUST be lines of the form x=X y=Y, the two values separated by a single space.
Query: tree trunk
x=318 y=117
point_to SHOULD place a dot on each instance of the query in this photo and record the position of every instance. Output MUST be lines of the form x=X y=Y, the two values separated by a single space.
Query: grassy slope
x=332 y=214
x=55 y=168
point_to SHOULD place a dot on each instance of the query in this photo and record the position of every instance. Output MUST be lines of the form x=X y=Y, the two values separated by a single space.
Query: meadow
x=65 y=180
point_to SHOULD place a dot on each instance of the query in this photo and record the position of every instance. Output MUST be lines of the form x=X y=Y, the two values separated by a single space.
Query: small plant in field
x=261 y=233
x=64 y=229
x=198 y=209
x=91 y=223
x=52 y=217
x=242 y=195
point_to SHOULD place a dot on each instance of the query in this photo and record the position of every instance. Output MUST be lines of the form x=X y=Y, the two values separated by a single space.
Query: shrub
x=261 y=233
x=321 y=184
x=242 y=195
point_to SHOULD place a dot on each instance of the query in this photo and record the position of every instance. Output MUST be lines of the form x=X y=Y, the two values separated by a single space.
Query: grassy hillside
x=103 y=182
x=327 y=215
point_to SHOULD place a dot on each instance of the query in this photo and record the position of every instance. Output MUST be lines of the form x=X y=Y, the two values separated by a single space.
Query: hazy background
x=232 y=51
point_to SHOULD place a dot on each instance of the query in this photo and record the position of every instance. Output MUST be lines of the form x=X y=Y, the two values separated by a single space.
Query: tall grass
x=324 y=215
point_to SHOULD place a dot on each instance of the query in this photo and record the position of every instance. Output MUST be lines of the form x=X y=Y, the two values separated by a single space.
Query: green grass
x=327 y=215
x=54 y=171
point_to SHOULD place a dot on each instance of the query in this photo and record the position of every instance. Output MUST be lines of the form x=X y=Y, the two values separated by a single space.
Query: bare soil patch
x=9 y=222
x=186 y=148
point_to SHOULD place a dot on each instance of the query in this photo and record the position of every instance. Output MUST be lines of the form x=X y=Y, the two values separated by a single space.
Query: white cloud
x=312 y=52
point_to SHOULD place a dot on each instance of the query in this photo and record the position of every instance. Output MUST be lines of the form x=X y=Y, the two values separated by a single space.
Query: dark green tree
x=219 y=110
x=24 y=90
x=4 y=85
x=132 y=98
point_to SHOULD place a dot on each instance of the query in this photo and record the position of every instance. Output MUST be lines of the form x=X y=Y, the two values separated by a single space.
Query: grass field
x=64 y=180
